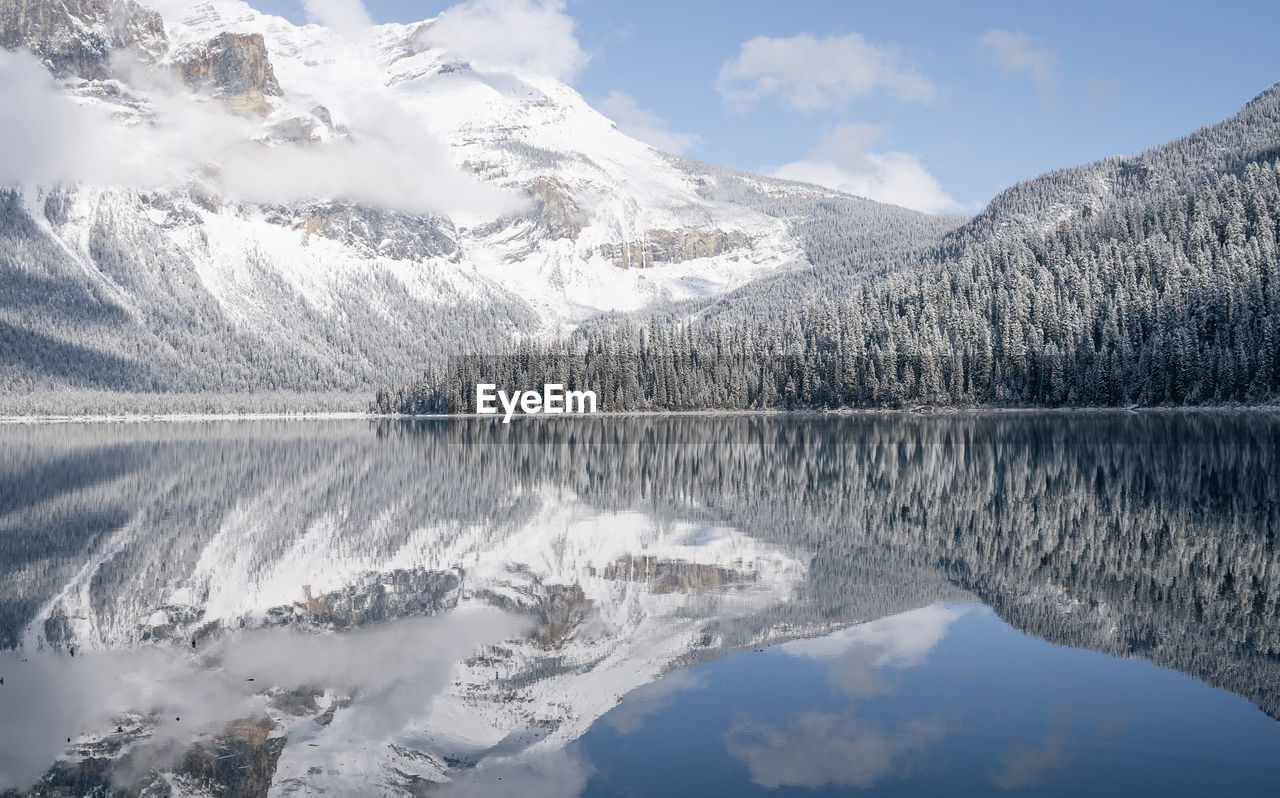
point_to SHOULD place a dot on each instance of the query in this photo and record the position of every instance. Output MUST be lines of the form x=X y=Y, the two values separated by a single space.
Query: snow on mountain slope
x=259 y=204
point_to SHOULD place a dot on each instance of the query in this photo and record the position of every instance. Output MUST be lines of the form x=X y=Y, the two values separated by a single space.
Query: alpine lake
x=973 y=603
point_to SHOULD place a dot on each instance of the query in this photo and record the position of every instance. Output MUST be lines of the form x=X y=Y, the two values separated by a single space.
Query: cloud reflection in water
x=392 y=671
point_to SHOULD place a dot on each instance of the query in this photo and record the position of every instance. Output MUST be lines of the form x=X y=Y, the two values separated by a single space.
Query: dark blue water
x=972 y=707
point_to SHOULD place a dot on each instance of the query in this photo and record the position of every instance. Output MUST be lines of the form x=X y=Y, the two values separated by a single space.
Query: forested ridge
x=1148 y=281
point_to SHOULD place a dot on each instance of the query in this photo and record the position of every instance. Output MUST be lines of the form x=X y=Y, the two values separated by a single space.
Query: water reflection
x=231 y=692
x=819 y=748
x=858 y=655
x=453 y=605
x=816 y=749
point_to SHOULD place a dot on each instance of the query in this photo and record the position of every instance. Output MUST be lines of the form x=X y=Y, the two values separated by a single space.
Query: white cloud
x=645 y=125
x=1024 y=766
x=808 y=74
x=45 y=138
x=628 y=717
x=394 y=671
x=344 y=16
x=817 y=749
x=858 y=652
x=843 y=161
x=901 y=641
x=556 y=774
x=1017 y=53
x=388 y=161
x=531 y=35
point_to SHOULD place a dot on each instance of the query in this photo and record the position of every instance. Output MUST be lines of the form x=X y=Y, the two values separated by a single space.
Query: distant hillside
x=1151 y=280
x=1040 y=205
x=1180 y=167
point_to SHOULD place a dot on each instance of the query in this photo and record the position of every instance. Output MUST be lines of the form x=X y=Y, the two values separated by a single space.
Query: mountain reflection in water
x=642 y=605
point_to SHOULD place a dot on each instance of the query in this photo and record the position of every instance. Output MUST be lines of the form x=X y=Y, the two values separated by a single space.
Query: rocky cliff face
x=673 y=246
x=557 y=210
x=372 y=233
x=238 y=762
x=236 y=68
x=77 y=37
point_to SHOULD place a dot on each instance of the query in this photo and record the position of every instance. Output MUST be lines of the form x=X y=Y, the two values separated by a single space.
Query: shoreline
x=138 y=418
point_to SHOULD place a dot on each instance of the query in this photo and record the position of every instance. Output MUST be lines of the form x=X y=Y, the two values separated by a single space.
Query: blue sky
x=932 y=105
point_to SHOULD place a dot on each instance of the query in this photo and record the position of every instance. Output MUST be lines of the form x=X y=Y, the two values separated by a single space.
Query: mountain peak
x=78 y=37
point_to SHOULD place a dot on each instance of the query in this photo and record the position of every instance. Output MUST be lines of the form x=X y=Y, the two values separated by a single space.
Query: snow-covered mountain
x=228 y=201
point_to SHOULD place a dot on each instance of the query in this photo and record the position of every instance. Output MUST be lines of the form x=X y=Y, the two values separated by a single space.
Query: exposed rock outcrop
x=557 y=212
x=372 y=232
x=377 y=597
x=672 y=246
x=675 y=576
x=77 y=37
x=238 y=762
x=236 y=67
x=303 y=129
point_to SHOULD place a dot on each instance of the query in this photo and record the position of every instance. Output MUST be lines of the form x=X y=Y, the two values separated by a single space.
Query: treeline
x=1173 y=300
x=71 y=402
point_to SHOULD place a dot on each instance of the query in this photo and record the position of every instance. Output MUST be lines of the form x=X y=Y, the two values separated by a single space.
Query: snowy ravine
x=253 y=204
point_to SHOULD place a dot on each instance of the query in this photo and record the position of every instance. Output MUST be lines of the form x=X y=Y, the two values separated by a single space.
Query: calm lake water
x=1018 y=603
